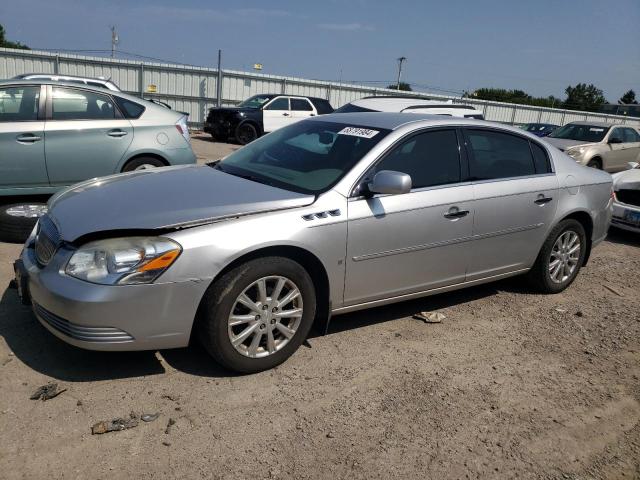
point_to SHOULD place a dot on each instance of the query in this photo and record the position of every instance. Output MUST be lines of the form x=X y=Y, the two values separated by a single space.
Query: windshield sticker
x=593 y=129
x=358 y=132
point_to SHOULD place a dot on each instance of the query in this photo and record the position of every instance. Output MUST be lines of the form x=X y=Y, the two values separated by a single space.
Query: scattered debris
x=79 y=403
x=170 y=423
x=149 y=417
x=330 y=435
x=115 y=425
x=579 y=313
x=430 y=317
x=561 y=310
x=613 y=290
x=398 y=335
x=173 y=398
x=166 y=444
x=47 y=392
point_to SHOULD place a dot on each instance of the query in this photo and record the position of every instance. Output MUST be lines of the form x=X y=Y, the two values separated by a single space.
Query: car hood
x=627 y=180
x=563 y=143
x=163 y=198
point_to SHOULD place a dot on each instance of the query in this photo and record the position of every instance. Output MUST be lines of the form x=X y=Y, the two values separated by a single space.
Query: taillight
x=181 y=126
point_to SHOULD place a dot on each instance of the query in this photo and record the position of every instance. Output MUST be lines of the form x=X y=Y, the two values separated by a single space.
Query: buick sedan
x=326 y=216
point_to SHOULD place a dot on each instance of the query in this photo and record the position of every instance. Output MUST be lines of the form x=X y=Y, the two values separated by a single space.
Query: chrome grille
x=47 y=240
x=79 y=332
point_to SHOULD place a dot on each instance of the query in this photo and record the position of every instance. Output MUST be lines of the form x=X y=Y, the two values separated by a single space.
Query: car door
x=276 y=114
x=399 y=244
x=301 y=108
x=614 y=159
x=516 y=196
x=22 y=162
x=86 y=136
x=631 y=142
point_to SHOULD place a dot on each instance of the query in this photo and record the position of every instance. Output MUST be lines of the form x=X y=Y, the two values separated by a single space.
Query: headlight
x=575 y=152
x=123 y=261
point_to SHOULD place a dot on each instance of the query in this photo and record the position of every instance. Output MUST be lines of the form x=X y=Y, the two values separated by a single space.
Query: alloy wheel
x=564 y=257
x=265 y=316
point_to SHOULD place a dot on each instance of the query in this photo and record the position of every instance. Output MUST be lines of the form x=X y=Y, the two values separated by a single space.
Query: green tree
x=628 y=98
x=513 y=96
x=8 y=44
x=403 y=86
x=584 y=97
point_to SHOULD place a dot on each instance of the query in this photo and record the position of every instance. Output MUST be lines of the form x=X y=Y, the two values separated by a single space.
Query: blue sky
x=540 y=46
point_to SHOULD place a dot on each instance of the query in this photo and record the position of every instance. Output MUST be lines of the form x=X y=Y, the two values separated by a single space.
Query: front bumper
x=621 y=217
x=221 y=129
x=105 y=317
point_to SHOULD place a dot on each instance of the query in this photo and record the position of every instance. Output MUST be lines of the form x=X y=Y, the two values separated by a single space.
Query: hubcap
x=265 y=316
x=144 y=166
x=28 y=211
x=564 y=257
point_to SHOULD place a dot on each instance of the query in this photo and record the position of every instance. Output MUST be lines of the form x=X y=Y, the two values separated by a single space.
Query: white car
x=410 y=105
x=626 y=201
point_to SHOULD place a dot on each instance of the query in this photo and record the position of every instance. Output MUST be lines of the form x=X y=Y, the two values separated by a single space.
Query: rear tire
x=18 y=219
x=142 y=163
x=595 y=163
x=246 y=133
x=557 y=266
x=222 y=301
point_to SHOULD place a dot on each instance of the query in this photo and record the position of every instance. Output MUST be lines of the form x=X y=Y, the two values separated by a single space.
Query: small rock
x=561 y=310
x=430 y=317
x=149 y=417
x=166 y=444
x=579 y=313
x=170 y=424
x=330 y=435
x=47 y=392
x=79 y=403
x=115 y=425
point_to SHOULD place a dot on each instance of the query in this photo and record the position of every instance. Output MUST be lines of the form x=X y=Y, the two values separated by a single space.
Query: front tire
x=595 y=163
x=257 y=315
x=246 y=133
x=560 y=258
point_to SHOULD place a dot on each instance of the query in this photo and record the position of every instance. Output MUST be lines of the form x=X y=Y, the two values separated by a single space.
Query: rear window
x=499 y=155
x=322 y=106
x=129 y=109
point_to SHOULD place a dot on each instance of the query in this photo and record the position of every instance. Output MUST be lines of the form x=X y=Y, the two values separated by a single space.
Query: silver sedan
x=329 y=215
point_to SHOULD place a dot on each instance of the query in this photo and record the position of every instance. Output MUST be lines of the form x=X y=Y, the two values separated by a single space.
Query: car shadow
x=37 y=348
x=623 y=237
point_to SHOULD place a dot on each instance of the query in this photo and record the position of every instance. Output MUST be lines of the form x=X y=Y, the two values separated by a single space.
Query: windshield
x=582 y=133
x=306 y=157
x=256 y=101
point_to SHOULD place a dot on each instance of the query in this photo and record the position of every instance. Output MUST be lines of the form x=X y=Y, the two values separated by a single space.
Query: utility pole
x=114 y=41
x=219 y=81
x=400 y=60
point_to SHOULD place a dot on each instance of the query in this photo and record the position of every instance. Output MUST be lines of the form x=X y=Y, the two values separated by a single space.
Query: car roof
x=394 y=120
x=59 y=75
x=273 y=95
x=596 y=124
x=398 y=104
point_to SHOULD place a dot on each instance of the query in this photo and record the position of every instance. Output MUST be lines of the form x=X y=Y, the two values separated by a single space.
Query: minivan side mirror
x=615 y=140
x=390 y=182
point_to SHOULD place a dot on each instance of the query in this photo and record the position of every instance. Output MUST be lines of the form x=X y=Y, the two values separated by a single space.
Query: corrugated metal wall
x=193 y=89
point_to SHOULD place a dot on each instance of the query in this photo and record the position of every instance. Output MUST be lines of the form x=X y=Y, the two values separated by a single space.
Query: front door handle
x=285 y=114
x=28 y=138
x=542 y=200
x=116 y=133
x=454 y=213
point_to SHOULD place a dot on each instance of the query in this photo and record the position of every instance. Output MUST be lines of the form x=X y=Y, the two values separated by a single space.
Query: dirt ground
x=510 y=385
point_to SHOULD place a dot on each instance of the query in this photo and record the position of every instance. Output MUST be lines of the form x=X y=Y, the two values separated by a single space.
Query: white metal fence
x=193 y=89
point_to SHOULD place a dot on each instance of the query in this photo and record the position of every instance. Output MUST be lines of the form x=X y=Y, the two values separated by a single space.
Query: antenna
x=114 y=41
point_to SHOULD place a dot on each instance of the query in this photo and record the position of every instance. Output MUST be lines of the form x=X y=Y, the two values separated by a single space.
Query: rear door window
x=540 y=158
x=300 y=104
x=630 y=135
x=75 y=104
x=19 y=104
x=496 y=155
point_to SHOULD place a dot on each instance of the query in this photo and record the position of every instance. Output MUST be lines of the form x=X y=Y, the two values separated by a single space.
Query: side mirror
x=632 y=165
x=615 y=140
x=390 y=182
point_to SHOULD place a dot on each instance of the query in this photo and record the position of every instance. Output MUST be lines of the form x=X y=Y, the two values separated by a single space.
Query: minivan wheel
x=246 y=133
x=142 y=163
x=18 y=219
x=257 y=315
x=560 y=258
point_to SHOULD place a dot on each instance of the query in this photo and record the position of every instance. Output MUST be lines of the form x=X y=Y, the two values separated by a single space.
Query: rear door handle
x=116 y=133
x=541 y=200
x=454 y=213
x=28 y=138
x=285 y=114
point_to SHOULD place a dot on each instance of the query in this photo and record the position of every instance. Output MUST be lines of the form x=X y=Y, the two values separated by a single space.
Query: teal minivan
x=55 y=134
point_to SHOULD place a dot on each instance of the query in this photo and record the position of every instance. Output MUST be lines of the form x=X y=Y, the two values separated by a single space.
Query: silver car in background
x=329 y=215
x=55 y=134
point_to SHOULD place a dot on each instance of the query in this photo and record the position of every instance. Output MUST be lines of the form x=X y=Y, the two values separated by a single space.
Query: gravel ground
x=510 y=384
